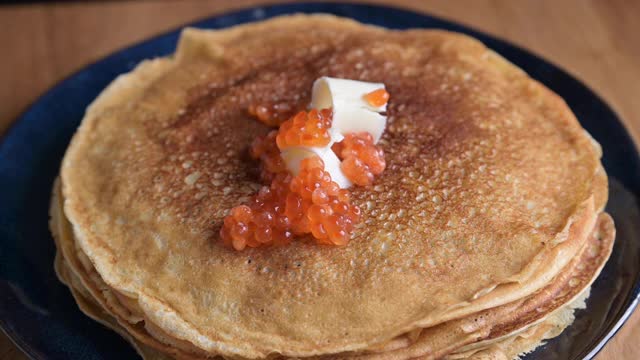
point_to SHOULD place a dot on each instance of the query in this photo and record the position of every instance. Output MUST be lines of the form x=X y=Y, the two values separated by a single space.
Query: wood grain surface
x=596 y=41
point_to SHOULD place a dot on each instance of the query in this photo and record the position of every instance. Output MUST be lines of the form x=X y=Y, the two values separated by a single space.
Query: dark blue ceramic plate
x=40 y=315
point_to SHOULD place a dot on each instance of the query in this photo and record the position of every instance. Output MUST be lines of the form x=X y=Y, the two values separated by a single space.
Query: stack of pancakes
x=479 y=240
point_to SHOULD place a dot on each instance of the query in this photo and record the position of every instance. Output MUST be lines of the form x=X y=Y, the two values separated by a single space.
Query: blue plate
x=40 y=315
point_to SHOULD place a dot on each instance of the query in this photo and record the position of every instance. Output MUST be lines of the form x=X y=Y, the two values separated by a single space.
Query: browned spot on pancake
x=209 y=141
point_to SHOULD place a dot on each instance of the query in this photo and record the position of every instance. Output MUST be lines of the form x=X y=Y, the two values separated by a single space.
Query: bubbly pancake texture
x=490 y=190
x=462 y=336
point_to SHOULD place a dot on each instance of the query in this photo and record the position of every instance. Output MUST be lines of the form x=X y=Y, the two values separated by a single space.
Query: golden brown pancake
x=480 y=332
x=94 y=311
x=490 y=191
x=516 y=345
x=502 y=321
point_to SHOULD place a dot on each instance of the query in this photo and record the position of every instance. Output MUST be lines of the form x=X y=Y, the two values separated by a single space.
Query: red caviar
x=262 y=221
x=307 y=203
x=271 y=115
x=377 y=98
x=306 y=129
x=264 y=148
x=317 y=205
x=361 y=158
x=310 y=202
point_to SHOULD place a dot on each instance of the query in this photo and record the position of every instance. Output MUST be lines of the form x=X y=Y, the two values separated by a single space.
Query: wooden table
x=594 y=40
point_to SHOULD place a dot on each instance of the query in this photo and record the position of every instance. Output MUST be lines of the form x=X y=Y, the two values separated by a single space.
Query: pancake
x=491 y=190
x=482 y=330
x=517 y=345
x=511 y=318
x=94 y=311
x=512 y=345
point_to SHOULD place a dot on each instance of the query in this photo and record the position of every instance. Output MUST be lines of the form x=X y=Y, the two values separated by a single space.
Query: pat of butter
x=328 y=92
x=294 y=155
x=351 y=113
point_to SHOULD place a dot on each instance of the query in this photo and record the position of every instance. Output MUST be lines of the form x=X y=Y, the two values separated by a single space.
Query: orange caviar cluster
x=377 y=98
x=310 y=202
x=361 y=158
x=264 y=148
x=271 y=115
x=306 y=129
x=318 y=206
x=307 y=203
x=262 y=222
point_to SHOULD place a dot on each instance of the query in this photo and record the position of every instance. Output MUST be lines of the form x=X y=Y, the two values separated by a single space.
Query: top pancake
x=488 y=173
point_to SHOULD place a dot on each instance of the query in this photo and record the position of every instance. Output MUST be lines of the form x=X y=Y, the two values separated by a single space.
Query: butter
x=351 y=114
x=293 y=156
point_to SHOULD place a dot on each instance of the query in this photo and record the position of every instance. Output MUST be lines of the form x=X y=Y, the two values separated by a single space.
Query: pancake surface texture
x=478 y=330
x=490 y=193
